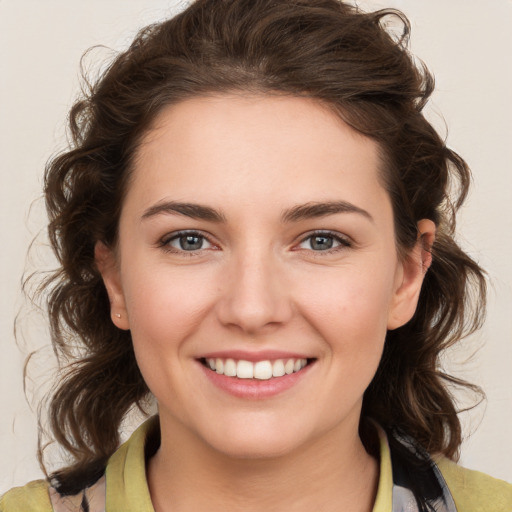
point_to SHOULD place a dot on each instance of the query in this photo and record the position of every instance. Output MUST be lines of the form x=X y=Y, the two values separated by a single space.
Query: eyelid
x=164 y=241
x=344 y=241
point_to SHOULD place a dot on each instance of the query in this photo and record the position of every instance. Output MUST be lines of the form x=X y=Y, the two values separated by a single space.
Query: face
x=257 y=271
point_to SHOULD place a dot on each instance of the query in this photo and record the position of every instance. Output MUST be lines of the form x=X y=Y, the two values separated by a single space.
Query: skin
x=258 y=284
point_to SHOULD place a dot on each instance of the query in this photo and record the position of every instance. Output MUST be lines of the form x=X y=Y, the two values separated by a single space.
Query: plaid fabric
x=418 y=485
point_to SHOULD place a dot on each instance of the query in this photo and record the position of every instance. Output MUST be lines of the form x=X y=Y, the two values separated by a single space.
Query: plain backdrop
x=466 y=43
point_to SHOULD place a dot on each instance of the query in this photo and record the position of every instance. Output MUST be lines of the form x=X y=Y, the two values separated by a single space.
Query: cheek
x=347 y=312
x=350 y=309
x=165 y=309
x=165 y=305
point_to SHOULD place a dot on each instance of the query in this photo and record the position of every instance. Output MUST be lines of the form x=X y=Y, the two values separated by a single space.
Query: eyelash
x=343 y=241
x=164 y=243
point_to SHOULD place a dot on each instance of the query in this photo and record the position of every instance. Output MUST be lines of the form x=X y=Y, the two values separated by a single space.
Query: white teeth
x=244 y=370
x=230 y=368
x=262 y=370
x=288 y=367
x=278 y=368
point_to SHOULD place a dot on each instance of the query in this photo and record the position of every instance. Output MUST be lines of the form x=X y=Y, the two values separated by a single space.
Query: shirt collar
x=127 y=488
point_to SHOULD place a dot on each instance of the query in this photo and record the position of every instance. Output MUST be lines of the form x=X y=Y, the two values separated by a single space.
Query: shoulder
x=38 y=496
x=125 y=476
x=33 y=497
x=474 y=491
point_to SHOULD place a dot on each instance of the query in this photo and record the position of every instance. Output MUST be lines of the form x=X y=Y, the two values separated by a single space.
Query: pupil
x=191 y=242
x=321 y=243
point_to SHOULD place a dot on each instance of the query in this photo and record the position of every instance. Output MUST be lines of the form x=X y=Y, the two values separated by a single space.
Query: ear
x=410 y=278
x=109 y=270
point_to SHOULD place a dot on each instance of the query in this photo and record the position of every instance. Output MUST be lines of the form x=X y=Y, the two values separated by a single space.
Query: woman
x=254 y=226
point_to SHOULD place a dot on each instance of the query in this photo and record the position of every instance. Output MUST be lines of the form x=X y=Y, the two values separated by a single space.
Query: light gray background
x=466 y=43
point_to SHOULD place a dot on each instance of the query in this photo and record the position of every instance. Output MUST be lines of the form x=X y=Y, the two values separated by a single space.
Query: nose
x=254 y=297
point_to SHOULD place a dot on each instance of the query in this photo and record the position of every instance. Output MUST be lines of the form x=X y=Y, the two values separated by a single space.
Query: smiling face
x=256 y=239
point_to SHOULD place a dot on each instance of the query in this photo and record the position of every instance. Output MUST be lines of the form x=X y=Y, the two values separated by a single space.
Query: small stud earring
x=118 y=315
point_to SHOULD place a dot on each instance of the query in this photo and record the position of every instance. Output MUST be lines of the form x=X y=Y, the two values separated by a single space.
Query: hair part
x=321 y=49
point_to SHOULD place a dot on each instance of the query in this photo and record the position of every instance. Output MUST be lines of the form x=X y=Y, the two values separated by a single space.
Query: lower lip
x=253 y=388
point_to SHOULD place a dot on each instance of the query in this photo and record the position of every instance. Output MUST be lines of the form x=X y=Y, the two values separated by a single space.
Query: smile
x=261 y=370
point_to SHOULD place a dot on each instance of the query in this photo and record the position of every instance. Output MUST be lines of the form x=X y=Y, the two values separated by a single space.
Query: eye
x=321 y=241
x=188 y=241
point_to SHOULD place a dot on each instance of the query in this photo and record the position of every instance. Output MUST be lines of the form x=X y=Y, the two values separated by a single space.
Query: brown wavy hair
x=320 y=49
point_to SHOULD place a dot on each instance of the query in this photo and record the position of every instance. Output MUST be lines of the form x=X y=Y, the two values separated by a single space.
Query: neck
x=331 y=474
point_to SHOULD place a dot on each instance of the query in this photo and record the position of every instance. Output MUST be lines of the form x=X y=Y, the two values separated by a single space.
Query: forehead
x=276 y=149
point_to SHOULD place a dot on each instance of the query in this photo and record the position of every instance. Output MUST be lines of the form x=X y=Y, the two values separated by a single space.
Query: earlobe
x=108 y=268
x=413 y=270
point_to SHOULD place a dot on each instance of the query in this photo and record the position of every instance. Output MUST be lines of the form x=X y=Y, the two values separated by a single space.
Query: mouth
x=260 y=370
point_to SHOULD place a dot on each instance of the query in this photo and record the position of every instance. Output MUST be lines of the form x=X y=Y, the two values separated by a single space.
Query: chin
x=249 y=448
x=257 y=439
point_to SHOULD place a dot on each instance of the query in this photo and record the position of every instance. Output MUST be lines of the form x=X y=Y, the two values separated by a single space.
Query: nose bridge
x=254 y=295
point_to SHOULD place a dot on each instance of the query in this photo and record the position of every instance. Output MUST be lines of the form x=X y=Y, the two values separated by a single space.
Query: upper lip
x=252 y=356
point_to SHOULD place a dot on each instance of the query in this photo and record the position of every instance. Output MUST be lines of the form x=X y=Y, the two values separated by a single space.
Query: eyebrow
x=305 y=211
x=192 y=210
x=322 y=209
